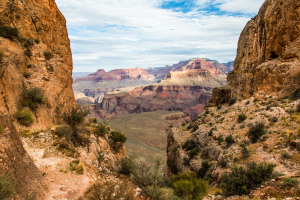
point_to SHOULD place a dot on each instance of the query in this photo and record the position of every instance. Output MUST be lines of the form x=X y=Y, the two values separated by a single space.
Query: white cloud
x=113 y=34
x=243 y=6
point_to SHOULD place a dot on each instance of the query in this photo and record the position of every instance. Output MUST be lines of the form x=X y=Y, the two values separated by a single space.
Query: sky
x=115 y=34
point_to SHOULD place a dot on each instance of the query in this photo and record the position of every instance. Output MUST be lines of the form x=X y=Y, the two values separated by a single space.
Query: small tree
x=256 y=131
x=75 y=117
x=117 y=137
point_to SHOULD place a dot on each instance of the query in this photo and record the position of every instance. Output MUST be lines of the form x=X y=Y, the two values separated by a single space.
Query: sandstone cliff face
x=268 y=53
x=188 y=99
x=13 y=158
x=42 y=20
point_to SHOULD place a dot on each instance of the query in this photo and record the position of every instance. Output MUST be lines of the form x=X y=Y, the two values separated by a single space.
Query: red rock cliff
x=267 y=60
x=39 y=19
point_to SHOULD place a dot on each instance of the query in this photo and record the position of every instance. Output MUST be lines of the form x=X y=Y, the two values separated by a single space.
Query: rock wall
x=267 y=60
x=14 y=159
x=39 y=19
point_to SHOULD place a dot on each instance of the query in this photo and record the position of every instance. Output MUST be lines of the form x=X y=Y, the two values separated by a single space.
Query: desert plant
x=240 y=180
x=28 y=52
x=64 y=131
x=256 y=131
x=274 y=119
x=65 y=147
x=245 y=152
x=7 y=186
x=220 y=139
x=101 y=129
x=75 y=117
x=194 y=152
x=290 y=182
x=99 y=156
x=229 y=139
x=27 y=74
x=8 y=32
x=33 y=97
x=195 y=127
x=231 y=102
x=109 y=190
x=75 y=166
x=188 y=186
x=219 y=107
x=36 y=40
x=189 y=127
x=24 y=117
x=285 y=155
x=183 y=124
x=242 y=117
x=48 y=55
x=1 y=129
x=186 y=161
x=222 y=162
x=211 y=132
x=93 y=120
x=126 y=164
x=117 y=137
x=295 y=95
x=190 y=144
x=247 y=102
x=204 y=168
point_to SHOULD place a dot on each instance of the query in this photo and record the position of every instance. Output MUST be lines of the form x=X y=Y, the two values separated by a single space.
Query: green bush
x=285 y=155
x=245 y=152
x=7 y=186
x=75 y=166
x=189 y=127
x=24 y=117
x=75 y=117
x=28 y=52
x=101 y=130
x=295 y=95
x=183 y=124
x=195 y=127
x=290 y=182
x=240 y=180
x=194 y=152
x=65 y=147
x=109 y=190
x=241 y=118
x=220 y=139
x=126 y=164
x=274 y=119
x=93 y=120
x=1 y=129
x=188 y=186
x=48 y=55
x=117 y=137
x=256 y=131
x=186 y=161
x=229 y=139
x=8 y=32
x=190 y=144
x=204 y=168
x=247 y=102
x=219 y=107
x=231 y=102
x=27 y=74
x=223 y=162
x=211 y=132
x=37 y=41
x=33 y=97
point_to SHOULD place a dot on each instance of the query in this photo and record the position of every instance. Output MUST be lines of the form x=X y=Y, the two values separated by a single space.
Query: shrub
x=34 y=96
x=231 y=102
x=36 y=40
x=117 y=137
x=245 y=152
x=8 y=32
x=220 y=139
x=241 y=118
x=75 y=117
x=1 y=129
x=204 y=168
x=108 y=190
x=75 y=166
x=195 y=127
x=48 y=55
x=183 y=124
x=223 y=162
x=219 y=107
x=285 y=155
x=256 y=131
x=188 y=186
x=229 y=139
x=194 y=152
x=211 y=132
x=126 y=164
x=295 y=95
x=273 y=119
x=93 y=120
x=28 y=52
x=290 y=110
x=65 y=148
x=27 y=74
x=24 y=117
x=207 y=112
x=64 y=131
x=189 y=127
x=190 y=144
x=247 y=102
x=101 y=130
x=99 y=156
x=186 y=161
x=240 y=180
x=290 y=182
x=7 y=186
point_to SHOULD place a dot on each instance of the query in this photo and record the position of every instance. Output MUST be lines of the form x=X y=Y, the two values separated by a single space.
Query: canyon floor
x=145 y=132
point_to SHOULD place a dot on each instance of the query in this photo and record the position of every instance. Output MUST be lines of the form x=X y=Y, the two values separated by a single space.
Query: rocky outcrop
x=267 y=60
x=14 y=159
x=41 y=20
x=188 y=99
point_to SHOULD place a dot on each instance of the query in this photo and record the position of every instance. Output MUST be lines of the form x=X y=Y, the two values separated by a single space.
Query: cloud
x=242 y=6
x=111 y=34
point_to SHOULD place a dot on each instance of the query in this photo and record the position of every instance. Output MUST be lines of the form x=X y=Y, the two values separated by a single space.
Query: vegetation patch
x=256 y=131
x=231 y=102
x=241 y=118
x=75 y=166
x=24 y=117
x=8 y=32
x=33 y=97
x=240 y=180
x=7 y=186
x=117 y=137
x=48 y=55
